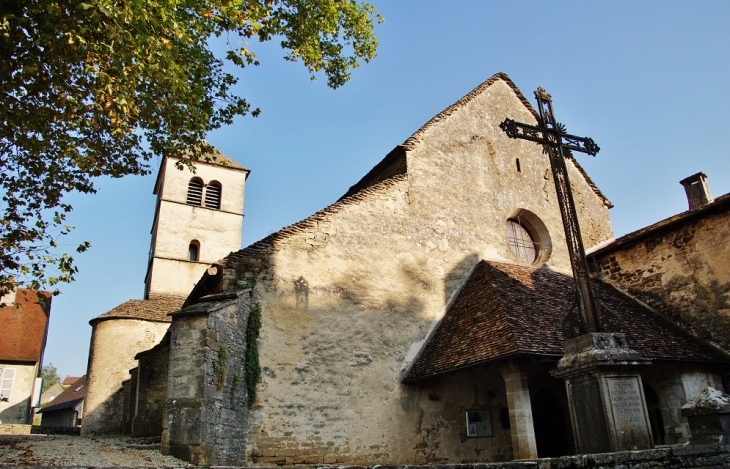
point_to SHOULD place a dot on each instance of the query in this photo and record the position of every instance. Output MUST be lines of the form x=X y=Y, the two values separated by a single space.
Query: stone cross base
x=606 y=398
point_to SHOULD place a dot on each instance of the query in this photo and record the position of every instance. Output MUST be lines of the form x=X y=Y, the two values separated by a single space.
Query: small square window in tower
x=195 y=191
x=213 y=195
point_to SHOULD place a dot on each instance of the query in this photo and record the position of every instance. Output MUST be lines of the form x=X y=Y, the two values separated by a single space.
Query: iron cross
x=552 y=136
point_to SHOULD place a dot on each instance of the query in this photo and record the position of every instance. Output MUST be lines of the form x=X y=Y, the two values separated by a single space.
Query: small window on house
x=195 y=191
x=478 y=423
x=213 y=195
x=6 y=382
x=194 y=251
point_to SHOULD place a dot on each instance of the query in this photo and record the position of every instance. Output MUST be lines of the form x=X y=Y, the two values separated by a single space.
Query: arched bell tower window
x=195 y=191
x=528 y=238
x=213 y=195
x=194 y=251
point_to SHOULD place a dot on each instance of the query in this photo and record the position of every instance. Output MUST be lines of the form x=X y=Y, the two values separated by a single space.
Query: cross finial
x=540 y=93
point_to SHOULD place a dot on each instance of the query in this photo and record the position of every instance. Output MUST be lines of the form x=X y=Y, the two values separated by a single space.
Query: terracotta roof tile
x=69 y=380
x=156 y=309
x=507 y=309
x=68 y=398
x=24 y=329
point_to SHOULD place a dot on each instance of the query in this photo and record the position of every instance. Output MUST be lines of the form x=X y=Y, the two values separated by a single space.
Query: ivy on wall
x=251 y=357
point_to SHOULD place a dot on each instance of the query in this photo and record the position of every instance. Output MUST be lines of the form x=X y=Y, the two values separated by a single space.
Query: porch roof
x=504 y=310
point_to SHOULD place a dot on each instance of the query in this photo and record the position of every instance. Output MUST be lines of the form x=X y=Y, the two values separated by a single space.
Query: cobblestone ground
x=89 y=451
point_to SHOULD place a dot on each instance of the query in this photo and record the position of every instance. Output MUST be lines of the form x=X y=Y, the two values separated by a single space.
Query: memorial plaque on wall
x=625 y=395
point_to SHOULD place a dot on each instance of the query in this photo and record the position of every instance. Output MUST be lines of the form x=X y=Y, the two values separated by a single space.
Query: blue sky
x=648 y=81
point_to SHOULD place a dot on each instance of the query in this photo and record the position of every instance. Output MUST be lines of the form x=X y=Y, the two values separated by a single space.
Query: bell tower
x=198 y=220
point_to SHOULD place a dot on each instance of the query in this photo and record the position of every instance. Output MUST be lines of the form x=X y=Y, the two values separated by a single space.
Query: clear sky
x=647 y=80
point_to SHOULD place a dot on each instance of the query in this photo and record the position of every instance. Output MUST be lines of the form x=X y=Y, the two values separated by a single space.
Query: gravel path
x=90 y=451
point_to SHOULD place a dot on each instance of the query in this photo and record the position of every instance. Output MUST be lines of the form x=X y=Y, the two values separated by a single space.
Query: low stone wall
x=667 y=457
x=14 y=429
x=40 y=430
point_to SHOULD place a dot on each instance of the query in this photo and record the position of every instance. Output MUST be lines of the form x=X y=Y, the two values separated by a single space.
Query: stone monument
x=605 y=394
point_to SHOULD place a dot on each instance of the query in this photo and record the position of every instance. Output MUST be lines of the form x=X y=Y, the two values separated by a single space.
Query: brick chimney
x=698 y=193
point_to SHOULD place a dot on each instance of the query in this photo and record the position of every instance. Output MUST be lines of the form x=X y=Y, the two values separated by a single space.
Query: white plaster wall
x=114 y=343
x=218 y=232
x=16 y=409
x=232 y=181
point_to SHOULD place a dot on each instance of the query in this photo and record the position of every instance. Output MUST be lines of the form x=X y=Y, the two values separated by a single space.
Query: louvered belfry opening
x=213 y=195
x=195 y=191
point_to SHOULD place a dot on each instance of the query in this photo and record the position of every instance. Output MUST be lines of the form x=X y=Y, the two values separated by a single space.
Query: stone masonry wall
x=206 y=412
x=349 y=296
x=683 y=273
x=152 y=392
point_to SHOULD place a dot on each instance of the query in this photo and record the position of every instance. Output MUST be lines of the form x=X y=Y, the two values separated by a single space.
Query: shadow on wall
x=16 y=413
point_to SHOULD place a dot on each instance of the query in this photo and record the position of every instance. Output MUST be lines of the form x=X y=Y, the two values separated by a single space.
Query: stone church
x=417 y=319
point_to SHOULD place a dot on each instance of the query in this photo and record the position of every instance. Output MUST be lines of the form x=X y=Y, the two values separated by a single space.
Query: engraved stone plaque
x=627 y=410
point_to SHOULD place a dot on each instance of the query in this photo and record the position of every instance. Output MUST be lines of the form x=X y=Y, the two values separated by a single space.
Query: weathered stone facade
x=349 y=295
x=206 y=410
x=151 y=391
x=680 y=267
x=18 y=407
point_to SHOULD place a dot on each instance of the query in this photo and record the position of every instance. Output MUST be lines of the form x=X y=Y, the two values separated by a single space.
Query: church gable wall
x=683 y=273
x=473 y=178
x=349 y=295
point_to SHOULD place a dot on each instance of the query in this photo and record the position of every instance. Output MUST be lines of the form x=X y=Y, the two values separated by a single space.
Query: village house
x=24 y=317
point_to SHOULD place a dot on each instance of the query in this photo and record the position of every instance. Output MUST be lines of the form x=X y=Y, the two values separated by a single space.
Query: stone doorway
x=552 y=426
x=654 y=409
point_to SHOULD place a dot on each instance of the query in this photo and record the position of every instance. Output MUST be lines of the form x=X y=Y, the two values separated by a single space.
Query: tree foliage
x=50 y=376
x=98 y=87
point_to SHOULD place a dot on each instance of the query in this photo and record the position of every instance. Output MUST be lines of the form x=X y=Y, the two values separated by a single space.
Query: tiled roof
x=69 y=380
x=23 y=329
x=507 y=309
x=68 y=398
x=156 y=309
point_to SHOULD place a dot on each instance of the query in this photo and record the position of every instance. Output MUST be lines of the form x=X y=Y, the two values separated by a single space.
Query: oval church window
x=523 y=241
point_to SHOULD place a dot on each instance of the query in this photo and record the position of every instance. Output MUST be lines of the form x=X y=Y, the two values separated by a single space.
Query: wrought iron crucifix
x=552 y=136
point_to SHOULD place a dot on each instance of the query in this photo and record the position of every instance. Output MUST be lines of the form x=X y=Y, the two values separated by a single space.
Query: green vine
x=220 y=365
x=251 y=357
x=620 y=339
x=235 y=384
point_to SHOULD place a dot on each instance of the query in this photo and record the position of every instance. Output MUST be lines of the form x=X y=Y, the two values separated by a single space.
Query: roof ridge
x=267 y=243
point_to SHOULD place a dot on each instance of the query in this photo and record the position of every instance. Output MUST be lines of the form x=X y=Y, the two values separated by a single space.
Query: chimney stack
x=698 y=193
